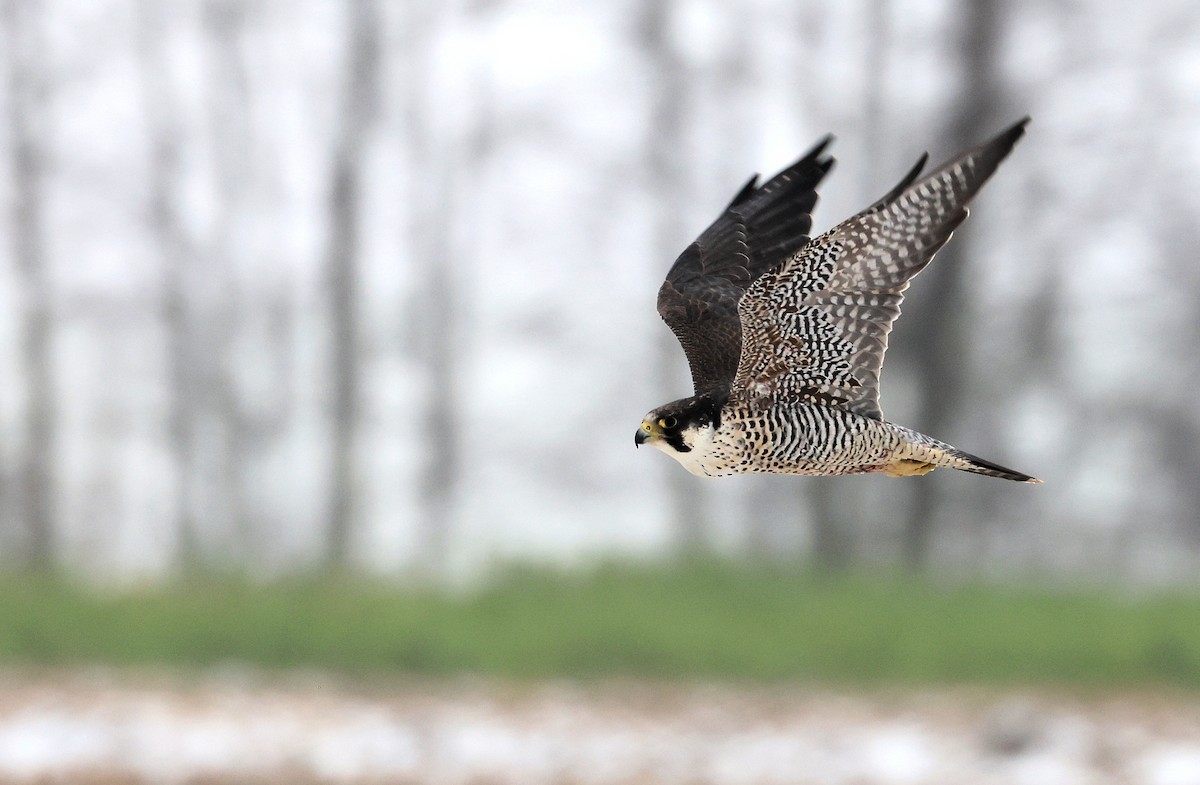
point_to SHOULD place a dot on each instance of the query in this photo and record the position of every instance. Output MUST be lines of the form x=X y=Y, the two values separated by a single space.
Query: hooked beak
x=647 y=432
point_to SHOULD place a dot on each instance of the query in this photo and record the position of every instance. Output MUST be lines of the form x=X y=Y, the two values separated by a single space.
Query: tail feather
x=922 y=451
x=972 y=463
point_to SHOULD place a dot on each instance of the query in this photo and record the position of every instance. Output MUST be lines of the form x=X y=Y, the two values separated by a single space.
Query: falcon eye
x=668 y=422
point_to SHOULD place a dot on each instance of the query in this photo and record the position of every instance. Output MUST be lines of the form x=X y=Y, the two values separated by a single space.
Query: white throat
x=700 y=440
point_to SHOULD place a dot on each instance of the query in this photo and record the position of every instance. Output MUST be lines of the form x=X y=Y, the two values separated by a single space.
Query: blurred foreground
x=94 y=727
x=695 y=673
x=690 y=620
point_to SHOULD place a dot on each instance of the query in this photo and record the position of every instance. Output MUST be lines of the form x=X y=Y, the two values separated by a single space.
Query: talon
x=908 y=468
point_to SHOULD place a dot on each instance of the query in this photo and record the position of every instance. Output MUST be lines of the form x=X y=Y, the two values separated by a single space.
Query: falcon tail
x=921 y=454
x=964 y=461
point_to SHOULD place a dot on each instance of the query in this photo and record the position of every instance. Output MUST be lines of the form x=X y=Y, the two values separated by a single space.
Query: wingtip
x=816 y=155
x=746 y=191
x=1015 y=131
x=909 y=178
x=1033 y=481
x=805 y=174
x=813 y=156
x=820 y=146
x=913 y=173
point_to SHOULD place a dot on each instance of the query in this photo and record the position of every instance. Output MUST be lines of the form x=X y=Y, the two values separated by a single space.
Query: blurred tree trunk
x=1174 y=417
x=441 y=347
x=1178 y=421
x=442 y=356
x=937 y=325
x=667 y=169
x=360 y=97
x=175 y=257
x=220 y=448
x=26 y=97
x=877 y=125
x=438 y=340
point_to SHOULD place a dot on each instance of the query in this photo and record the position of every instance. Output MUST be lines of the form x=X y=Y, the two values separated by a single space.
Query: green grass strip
x=709 y=620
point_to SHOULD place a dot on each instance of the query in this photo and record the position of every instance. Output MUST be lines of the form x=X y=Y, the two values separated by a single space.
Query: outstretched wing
x=815 y=328
x=760 y=228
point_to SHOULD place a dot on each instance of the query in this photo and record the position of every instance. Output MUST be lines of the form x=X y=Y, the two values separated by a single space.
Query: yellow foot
x=907 y=468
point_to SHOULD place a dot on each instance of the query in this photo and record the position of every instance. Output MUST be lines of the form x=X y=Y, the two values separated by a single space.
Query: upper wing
x=760 y=228
x=815 y=328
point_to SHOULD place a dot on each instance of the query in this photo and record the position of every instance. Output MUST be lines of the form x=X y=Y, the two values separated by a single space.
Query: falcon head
x=679 y=426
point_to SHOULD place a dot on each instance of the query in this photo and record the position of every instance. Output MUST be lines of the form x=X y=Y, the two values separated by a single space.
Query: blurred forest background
x=370 y=285
x=313 y=309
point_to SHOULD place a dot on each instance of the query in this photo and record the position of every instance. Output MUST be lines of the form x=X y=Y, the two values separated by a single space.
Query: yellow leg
x=907 y=468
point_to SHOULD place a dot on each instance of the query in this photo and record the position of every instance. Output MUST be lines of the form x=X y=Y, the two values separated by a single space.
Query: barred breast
x=796 y=439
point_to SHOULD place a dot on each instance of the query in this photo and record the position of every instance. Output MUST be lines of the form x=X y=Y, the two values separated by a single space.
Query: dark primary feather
x=905 y=182
x=815 y=328
x=760 y=228
x=747 y=190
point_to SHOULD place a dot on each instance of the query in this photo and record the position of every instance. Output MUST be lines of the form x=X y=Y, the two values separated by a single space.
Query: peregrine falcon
x=785 y=335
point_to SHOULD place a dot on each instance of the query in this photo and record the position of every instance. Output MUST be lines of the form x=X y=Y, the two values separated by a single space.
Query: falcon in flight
x=785 y=335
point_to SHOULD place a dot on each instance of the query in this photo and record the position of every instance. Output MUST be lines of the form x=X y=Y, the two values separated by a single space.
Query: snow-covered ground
x=233 y=727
